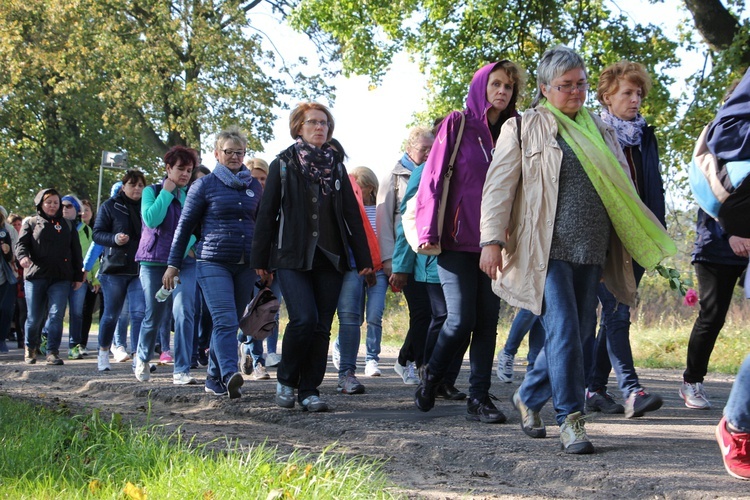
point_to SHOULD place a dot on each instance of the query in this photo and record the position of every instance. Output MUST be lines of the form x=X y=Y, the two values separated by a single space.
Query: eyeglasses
x=569 y=88
x=67 y=205
x=230 y=152
x=315 y=123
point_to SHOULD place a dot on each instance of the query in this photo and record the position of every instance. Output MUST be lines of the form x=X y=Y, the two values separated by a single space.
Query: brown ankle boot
x=29 y=355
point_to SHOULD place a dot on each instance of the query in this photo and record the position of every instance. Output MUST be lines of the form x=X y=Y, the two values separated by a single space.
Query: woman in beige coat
x=558 y=211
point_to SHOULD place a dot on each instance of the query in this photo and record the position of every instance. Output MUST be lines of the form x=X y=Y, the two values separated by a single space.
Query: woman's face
x=230 y=155
x=86 y=214
x=51 y=205
x=626 y=102
x=420 y=150
x=69 y=210
x=180 y=174
x=499 y=90
x=17 y=225
x=260 y=175
x=313 y=129
x=133 y=189
x=567 y=102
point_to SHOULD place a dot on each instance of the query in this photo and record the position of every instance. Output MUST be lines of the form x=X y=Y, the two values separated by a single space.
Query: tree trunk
x=716 y=24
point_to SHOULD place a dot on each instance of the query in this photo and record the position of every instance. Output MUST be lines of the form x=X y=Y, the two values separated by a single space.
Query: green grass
x=48 y=454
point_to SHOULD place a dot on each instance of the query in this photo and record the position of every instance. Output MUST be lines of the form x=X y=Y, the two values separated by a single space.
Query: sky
x=372 y=123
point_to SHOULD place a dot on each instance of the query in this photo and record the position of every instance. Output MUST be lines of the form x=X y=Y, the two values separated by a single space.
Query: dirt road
x=670 y=454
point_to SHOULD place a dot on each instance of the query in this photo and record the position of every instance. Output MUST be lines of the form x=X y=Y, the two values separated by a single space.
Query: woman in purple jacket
x=472 y=306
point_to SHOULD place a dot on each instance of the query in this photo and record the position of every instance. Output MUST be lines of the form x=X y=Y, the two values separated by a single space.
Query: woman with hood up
x=49 y=251
x=473 y=308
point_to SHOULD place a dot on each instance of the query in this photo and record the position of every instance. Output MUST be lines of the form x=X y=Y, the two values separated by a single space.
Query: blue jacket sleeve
x=192 y=213
x=729 y=135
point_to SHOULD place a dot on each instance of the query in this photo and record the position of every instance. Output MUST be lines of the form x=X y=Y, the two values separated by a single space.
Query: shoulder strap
x=518 y=131
x=458 y=143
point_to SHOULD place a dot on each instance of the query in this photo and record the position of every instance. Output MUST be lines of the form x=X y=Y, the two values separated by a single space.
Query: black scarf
x=315 y=164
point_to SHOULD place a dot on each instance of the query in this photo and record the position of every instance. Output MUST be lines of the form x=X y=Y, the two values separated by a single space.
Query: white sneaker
x=694 y=396
x=399 y=369
x=83 y=351
x=410 y=374
x=120 y=354
x=102 y=361
x=259 y=372
x=371 y=369
x=273 y=359
x=183 y=379
x=505 y=366
x=336 y=355
x=142 y=370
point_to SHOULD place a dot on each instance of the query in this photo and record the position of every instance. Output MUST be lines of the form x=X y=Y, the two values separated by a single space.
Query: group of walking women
x=539 y=209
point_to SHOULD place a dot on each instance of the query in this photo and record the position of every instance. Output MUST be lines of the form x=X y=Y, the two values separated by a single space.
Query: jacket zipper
x=481 y=145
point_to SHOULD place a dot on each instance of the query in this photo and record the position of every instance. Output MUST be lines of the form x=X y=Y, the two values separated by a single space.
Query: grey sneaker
x=260 y=372
x=573 y=438
x=336 y=355
x=348 y=384
x=602 y=401
x=313 y=403
x=694 y=396
x=505 y=366
x=410 y=376
x=284 y=395
x=141 y=370
x=531 y=421
x=639 y=402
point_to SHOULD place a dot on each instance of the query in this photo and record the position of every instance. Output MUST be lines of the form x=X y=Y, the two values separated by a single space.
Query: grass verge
x=47 y=453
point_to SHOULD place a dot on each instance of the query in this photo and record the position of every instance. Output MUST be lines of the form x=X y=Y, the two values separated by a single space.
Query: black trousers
x=420 y=317
x=716 y=284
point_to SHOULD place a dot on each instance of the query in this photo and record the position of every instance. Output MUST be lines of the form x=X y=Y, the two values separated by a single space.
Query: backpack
x=259 y=319
x=719 y=188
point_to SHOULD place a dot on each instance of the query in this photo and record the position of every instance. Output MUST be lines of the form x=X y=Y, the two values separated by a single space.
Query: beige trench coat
x=519 y=202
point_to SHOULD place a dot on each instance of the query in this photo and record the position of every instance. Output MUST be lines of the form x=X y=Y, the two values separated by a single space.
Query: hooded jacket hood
x=476 y=101
x=39 y=198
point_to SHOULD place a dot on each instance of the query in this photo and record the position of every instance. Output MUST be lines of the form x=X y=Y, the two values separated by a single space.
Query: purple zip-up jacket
x=463 y=208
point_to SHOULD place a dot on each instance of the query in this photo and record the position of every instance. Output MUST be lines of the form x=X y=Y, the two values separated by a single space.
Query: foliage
x=85 y=456
x=91 y=75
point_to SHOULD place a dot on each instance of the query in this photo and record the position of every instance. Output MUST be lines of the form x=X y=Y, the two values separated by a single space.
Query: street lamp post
x=111 y=160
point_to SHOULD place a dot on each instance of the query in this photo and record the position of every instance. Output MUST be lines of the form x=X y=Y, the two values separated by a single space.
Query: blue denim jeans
x=45 y=297
x=525 y=322
x=311 y=298
x=439 y=314
x=121 y=330
x=473 y=310
x=569 y=306
x=357 y=301
x=737 y=409
x=76 y=299
x=227 y=290
x=611 y=347
x=180 y=307
x=115 y=288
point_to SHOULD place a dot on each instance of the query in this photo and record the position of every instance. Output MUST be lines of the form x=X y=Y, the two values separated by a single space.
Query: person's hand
x=388 y=267
x=265 y=280
x=491 y=260
x=740 y=246
x=5 y=247
x=170 y=278
x=77 y=285
x=95 y=288
x=169 y=185
x=398 y=280
x=25 y=263
x=365 y=271
x=429 y=246
x=121 y=238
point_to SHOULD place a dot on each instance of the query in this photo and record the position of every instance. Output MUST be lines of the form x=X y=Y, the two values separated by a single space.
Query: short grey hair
x=417 y=133
x=233 y=134
x=555 y=62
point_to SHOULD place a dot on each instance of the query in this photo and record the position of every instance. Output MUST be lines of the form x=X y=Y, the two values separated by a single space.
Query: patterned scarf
x=239 y=181
x=629 y=132
x=640 y=232
x=315 y=164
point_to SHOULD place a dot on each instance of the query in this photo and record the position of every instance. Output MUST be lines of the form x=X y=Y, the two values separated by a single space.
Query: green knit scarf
x=639 y=230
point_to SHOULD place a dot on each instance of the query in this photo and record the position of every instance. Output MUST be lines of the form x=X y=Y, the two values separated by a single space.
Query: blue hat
x=73 y=200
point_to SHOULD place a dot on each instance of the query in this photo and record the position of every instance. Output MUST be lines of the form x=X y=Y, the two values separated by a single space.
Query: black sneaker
x=449 y=392
x=639 y=402
x=202 y=357
x=424 y=398
x=602 y=401
x=233 y=382
x=484 y=410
